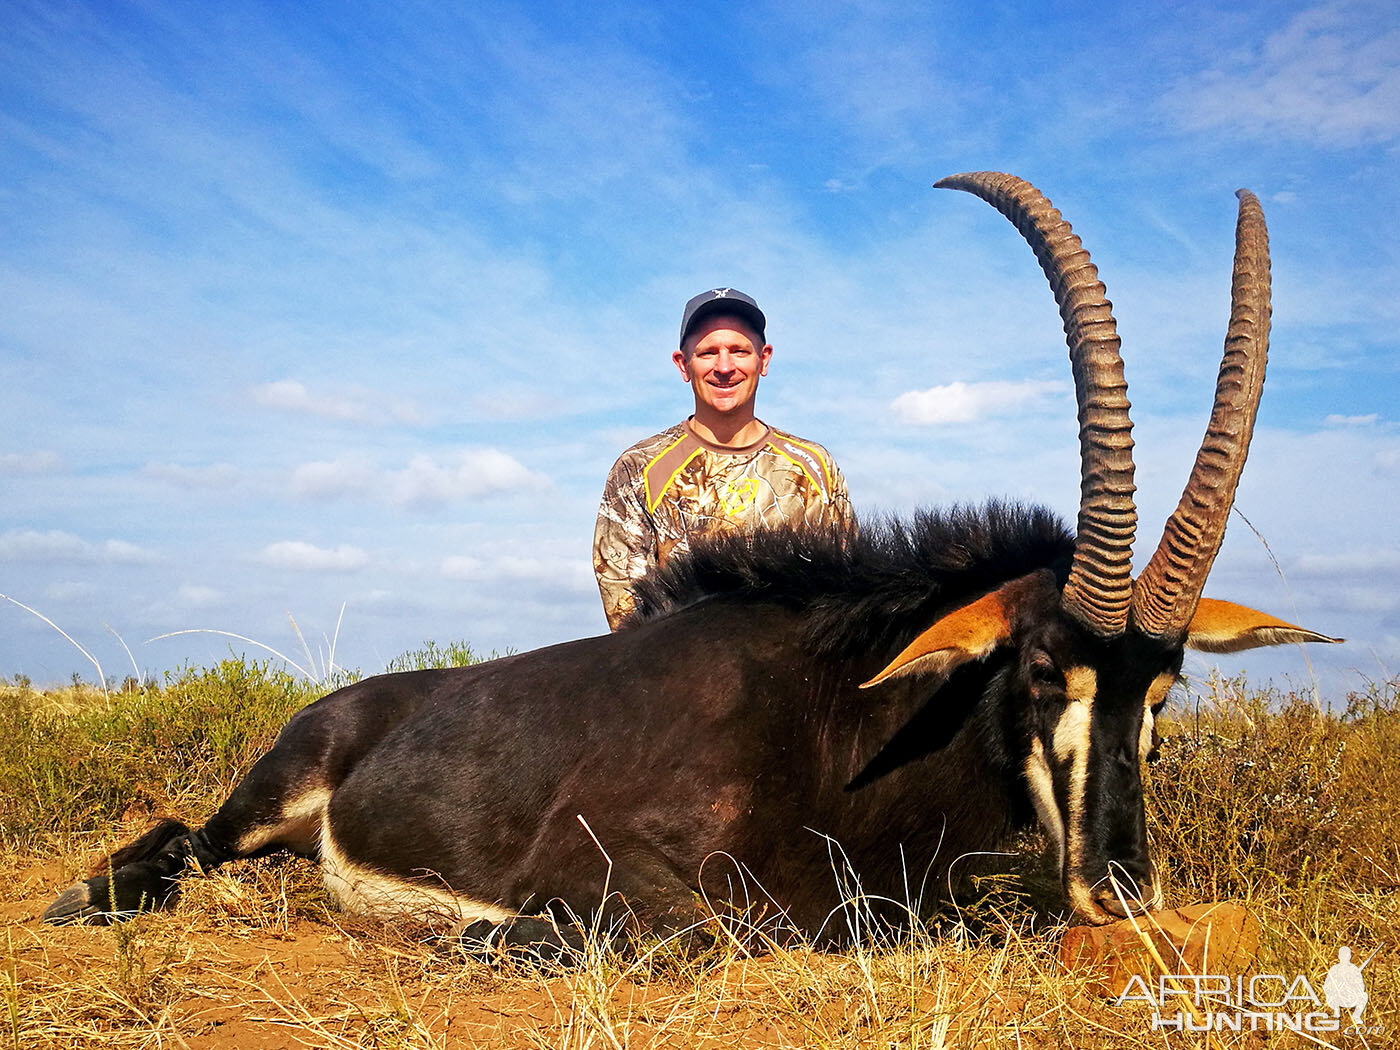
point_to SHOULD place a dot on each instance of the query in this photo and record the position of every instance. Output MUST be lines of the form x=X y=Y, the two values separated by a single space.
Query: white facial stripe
x=364 y=891
x=1042 y=787
x=1072 y=730
x=1161 y=685
x=1071 y=743
x=1156 y=693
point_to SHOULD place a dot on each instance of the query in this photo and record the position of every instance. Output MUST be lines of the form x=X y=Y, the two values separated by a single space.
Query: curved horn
x=1165 y=597
x=1100 y=584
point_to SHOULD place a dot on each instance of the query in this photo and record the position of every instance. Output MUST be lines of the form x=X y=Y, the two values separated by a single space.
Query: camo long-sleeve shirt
x=675 y=485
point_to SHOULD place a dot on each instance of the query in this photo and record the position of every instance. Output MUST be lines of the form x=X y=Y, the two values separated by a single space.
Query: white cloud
x=123 y=553
x=44 y=462
x=1370 y=601
x=216 y=475
x=333 y=477
x=571 y=574
x=56 y=545
x=462 y=567
x=470 y=474
x=1352 y=421
x=426 y=482
x=512 y=403
x=1349 y=563
x=574 y=574
x=964 y=402
x=197 y=596
x=306 y=557
x=1331 y=75
x=71 y=590
x=354 y=406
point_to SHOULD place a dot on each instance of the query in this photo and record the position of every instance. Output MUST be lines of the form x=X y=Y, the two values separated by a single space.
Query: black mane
x=863 y=591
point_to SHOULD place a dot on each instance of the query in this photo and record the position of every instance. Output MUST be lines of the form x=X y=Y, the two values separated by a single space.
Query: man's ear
x=764 y=356
x=1224 y=627
x=679 y=358
x=969 y=633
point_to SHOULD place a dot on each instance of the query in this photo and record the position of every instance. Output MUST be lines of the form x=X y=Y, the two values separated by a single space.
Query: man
x=722 y=469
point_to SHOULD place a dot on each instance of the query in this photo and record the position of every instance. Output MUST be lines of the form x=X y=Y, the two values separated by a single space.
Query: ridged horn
x=1167 y=591
x=1100 y=585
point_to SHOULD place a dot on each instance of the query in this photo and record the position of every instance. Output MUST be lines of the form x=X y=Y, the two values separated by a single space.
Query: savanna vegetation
x=1258 y=796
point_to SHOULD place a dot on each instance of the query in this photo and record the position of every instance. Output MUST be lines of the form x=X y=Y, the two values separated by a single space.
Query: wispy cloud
x=1349 y=563
x=1330 y=76
x=334 y=477
x=43 y=462
x=463 y=567
x=521 y=403
x=426 y=482
x=215 y=475
x=470 y=474
x=59 y=546
x=71 y=590
x=353 y=406
x=1352 y=421
x=569 y=574
x=306 y=557
x=965 y=402
x=875 y=72
x=1369 y=600
x=197 y=596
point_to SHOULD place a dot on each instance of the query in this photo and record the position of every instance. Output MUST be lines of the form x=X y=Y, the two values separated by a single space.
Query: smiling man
x=722 y=469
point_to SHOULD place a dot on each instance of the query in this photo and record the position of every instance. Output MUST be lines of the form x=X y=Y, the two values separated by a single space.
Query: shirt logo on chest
x=738 y=495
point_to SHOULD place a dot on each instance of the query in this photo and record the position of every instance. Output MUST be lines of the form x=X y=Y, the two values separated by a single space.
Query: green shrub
x=76 y=760
x=453 y=654
x=70 y=764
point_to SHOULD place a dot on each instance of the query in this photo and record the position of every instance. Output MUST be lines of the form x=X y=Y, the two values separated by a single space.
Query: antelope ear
x=969 y=633
x=1224 y=627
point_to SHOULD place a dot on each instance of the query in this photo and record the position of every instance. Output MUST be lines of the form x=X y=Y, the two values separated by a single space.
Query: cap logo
x=722 y=293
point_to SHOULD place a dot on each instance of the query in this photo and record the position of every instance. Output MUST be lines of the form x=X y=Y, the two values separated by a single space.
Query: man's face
x=724 y=364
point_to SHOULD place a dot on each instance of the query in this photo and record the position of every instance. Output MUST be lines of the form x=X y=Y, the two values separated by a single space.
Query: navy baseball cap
x=723 y=301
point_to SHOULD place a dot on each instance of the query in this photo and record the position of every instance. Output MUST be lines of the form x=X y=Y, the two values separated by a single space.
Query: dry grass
x=1257 y=797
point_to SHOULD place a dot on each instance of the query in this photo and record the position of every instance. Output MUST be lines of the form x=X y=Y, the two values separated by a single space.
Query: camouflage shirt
x=675 y=485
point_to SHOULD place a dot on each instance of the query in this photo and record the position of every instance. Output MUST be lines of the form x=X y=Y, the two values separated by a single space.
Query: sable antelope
x=909 y=694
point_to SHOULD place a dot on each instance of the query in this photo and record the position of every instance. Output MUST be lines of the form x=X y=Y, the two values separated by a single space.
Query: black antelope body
x=906 y=696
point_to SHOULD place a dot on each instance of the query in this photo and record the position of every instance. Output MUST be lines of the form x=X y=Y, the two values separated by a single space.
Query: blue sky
x=343 y=304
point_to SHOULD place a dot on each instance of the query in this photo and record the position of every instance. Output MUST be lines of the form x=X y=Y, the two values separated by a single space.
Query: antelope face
x=1091 y=708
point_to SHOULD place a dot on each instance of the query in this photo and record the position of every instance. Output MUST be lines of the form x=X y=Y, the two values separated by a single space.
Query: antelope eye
x=1044 y=671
